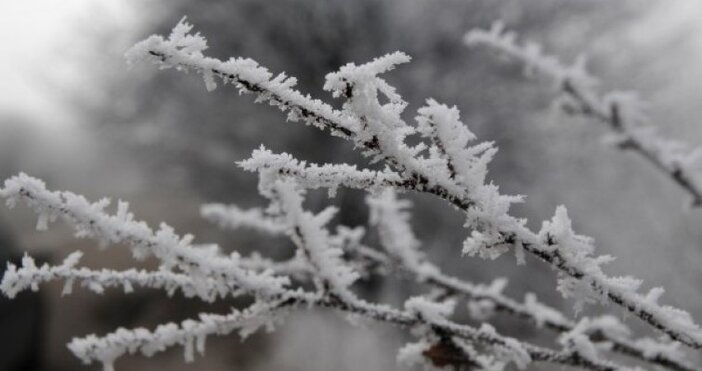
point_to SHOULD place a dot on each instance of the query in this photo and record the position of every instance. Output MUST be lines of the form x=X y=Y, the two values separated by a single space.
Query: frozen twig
x=391 y=216
x=28 y=275
x=191 y=334
x=621 y=112
x=91 y=220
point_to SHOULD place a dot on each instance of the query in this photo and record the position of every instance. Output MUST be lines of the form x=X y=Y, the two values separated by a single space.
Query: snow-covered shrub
x=446 y=161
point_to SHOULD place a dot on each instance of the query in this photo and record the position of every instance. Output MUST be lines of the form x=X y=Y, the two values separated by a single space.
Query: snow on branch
x=28 y=275
x=233 y=217
x=586 y=281
x=380 y=130
x=506 y=351
x=183 y=51
x=494 y=230
x=531 y=56
x=313 y=176
x=91 y=220
x=450 y=138
x=503 y=349
x=620 y=111
x=390 y=215
x=361 y=257
x=419 y=313
x=430 y=318
x=309 y=233
x=485 y=300
x=341 y=83
x=191 y=334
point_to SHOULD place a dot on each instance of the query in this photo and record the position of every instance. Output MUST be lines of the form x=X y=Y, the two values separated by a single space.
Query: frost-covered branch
x=419 y=314
x=348 y=239
x=231 y=216
x=484 y=300
x=184 y=51
x=309 y=232
x=294 y=267
x=380 y=130
x=466 y=164
x=29 y=276
x=107 y=349
x=91 y=220
x=191 y=334
x=621 y=112
x=313 y=176
x=391 y=216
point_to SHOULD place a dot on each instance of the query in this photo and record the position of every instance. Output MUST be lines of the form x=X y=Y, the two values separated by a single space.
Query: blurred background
x=74 y=114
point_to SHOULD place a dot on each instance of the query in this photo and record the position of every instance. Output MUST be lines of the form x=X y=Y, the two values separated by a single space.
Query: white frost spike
x=468 y=165
x=655 y=294
x=340 y=82
x=489 y=217
x=180 y=39
x=43 y=221
x=210 y=83
x=67 y=287
x=542 y=313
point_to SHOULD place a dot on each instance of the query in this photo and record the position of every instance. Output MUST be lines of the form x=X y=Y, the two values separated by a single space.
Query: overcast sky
x=40 y=44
